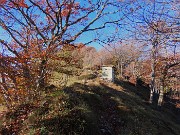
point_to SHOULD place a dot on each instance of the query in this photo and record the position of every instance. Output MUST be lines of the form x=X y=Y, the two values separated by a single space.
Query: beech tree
x=37 y=29
x=88 y=55
x=104 y=57
x=119 y=54
x=124 y=53
x=168 y=69
x=158 y=28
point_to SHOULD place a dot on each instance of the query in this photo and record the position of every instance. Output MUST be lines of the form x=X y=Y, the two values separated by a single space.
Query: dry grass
x=2 y=108
x=99 y=108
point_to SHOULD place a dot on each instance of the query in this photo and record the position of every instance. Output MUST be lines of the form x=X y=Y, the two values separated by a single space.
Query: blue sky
x=85 y=37
x=104 y=34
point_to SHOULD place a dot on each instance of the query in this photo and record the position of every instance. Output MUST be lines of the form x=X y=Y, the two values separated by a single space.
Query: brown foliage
x=38 y=29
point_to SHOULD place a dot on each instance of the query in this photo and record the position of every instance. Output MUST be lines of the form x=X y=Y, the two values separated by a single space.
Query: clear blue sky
x=85 y=37
x=109 y=31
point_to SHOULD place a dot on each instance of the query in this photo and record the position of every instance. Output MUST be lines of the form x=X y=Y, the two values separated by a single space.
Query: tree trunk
x=151 y=94
x=41 y=80
x=161 y=94
x=6 y=96
x=152 y=88
x=27 y=77
x=121 y=70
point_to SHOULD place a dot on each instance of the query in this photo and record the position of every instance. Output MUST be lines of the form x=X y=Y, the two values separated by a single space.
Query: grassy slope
x=98 y=108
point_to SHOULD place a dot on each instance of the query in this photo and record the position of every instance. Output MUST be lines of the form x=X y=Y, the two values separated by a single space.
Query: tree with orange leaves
x=37 y=29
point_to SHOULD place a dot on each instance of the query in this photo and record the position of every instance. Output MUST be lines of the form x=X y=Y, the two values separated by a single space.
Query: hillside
x=94 y=108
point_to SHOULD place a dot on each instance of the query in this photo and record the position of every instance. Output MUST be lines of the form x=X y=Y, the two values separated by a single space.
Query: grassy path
x=94 y=108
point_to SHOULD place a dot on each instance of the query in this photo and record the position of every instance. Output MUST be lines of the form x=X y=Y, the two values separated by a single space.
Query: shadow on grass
x=93 y=110
x=106 y=111
x=102 y=110
x=140 y=90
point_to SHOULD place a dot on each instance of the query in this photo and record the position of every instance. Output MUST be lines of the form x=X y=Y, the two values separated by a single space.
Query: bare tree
x=156 y=24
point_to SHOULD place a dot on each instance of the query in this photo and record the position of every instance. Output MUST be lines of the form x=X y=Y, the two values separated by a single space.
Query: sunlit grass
x=92 y=107
x=2 y=108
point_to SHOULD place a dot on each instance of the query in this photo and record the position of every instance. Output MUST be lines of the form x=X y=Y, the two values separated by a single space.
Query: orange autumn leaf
x=19 y=3
x=2 y=2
